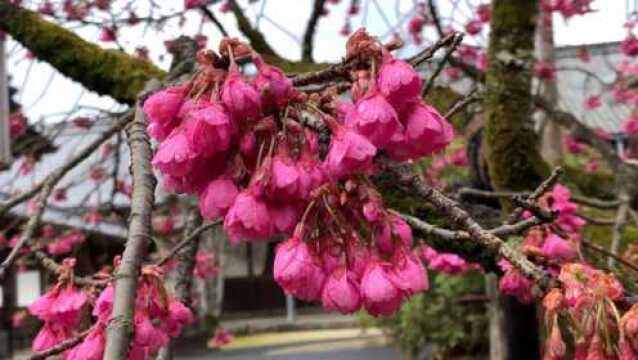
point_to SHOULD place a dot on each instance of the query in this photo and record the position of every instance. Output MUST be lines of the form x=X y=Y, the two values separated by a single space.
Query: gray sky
x=62 y=95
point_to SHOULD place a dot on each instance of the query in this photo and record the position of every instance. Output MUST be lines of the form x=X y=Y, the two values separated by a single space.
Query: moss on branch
x=107 y=72
x=513 y=157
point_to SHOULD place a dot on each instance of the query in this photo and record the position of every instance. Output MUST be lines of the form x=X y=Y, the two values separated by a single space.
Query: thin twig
x=61 y=347
x=311 y=27
x=470 y=98
x=503 y=231
x=211 y=16
x=611 y=255
x=544 y=187
x=193 y=236
x=456 y=41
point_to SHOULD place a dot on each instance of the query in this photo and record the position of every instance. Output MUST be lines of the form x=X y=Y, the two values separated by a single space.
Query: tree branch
x=187 y=240
x=61 y=347
x=211 y=16
x=120 y=326
x=311 y=27
x=107 y=72
x=461 y=218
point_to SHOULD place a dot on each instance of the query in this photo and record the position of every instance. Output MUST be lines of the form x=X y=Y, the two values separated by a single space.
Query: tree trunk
x=513 y=158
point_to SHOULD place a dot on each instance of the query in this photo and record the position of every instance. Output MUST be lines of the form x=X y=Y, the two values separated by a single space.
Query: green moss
x=107 y=72
x=512 y=146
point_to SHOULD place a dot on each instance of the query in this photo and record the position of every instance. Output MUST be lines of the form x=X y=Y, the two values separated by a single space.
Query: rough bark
x=514 y=161
x=513 y=158
x=120 y=326
x=107 y=72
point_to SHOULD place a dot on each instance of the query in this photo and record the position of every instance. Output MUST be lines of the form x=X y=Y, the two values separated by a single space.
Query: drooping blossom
x=297 y=269
x=218 y=196
x=275 y=87
x=341 y=292
x=398 y=81
x=247 y=218
x=380 y=295
x=240 y=97
x=349 y=152
x=162 y=108
x=573 y=146
x=374 y=118
x=209 y=129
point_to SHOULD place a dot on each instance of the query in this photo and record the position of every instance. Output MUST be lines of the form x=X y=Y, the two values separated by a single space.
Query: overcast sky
x=604 y=25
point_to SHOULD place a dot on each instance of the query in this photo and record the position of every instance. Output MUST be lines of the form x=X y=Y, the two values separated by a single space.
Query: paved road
x=359 y=348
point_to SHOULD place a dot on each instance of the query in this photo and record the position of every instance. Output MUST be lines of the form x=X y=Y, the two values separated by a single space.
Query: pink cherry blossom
x=218 y=196
x=162 y=109
x=92 y=347
x=592 y=102
x=484 y=13
x=205 y=265
x=426 y=132
x=448 y=263
x=374 y=118
x=341 y=292
x=408 y=273
x=174 y=155
x=398 y=81
x=349 y=152
x=515 y=284
x=275 y=87
x=297 y=269
x=241 y=98
x=248 y=218
x=209 y=129
x=557 y=248
x=630 y=126
x=474 y=27
x=573 y=146
x=380 y=295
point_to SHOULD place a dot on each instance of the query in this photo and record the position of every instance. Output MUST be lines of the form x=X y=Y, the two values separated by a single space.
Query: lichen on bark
x=514 y=160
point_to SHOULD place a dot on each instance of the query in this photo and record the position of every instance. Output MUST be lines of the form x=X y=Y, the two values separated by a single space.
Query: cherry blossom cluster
x=553 y=244
x=157 y=318
x=586 y=299
x=237 y=141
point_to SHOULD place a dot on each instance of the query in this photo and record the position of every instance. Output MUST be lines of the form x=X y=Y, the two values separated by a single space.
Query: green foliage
x=440 y=318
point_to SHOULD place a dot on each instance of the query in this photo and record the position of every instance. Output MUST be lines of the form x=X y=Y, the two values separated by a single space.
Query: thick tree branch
x=107 y=72
x=461 y=218
x=311 y=27
x=120 y=326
